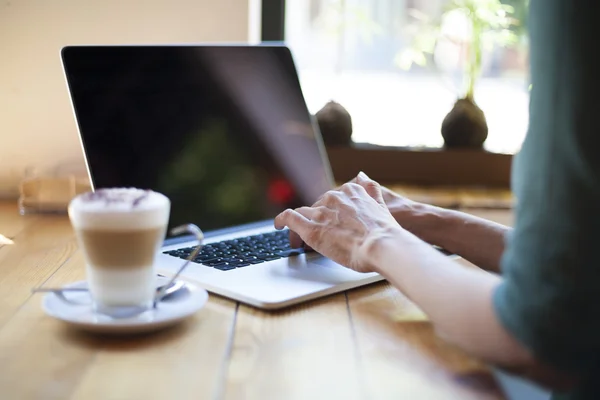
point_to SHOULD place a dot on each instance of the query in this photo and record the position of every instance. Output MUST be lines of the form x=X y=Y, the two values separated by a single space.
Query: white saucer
x=170 y=311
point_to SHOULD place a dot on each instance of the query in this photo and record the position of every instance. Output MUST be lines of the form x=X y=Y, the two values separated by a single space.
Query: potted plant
x=486 y=23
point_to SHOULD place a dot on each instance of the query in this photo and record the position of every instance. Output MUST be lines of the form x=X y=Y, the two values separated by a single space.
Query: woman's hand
x=391 y=198
x=343 y=225
x=477 y=240
x=408 y=213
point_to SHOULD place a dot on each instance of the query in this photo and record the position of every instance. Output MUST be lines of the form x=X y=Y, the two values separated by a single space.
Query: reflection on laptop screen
x=224 y=132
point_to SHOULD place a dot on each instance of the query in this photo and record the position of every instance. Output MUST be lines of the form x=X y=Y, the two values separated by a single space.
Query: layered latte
x=120 y=231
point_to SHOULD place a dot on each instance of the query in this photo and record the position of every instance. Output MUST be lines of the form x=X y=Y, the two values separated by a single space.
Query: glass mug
x=120 y=231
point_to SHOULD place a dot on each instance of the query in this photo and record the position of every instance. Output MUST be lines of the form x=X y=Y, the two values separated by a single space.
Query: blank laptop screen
x=224 y=132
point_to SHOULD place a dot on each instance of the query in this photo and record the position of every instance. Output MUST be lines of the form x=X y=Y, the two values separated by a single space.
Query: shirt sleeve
x=550 y=296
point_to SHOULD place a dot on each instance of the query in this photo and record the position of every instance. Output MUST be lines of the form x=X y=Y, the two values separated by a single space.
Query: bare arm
x=475 y=239
x=458 y=301
x=354 y=227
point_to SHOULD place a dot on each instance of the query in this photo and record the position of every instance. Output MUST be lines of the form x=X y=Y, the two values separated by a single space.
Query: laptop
x=225 y=133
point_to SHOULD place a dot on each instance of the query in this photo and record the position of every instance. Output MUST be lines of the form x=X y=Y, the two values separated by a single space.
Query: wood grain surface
x=367 y=343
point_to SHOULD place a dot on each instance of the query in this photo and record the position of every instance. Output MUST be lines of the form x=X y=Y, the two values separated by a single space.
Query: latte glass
x=120 y=231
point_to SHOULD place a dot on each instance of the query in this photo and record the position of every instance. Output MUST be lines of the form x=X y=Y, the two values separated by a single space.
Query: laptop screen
x=223 y=131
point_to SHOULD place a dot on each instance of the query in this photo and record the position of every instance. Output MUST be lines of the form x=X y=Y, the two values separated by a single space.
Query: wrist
x=377 y=243
x=422 y=220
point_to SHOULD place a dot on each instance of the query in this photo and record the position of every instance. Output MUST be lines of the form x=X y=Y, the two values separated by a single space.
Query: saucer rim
x=127 y=325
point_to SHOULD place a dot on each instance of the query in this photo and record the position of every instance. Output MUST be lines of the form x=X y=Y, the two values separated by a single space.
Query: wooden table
x=368 y=343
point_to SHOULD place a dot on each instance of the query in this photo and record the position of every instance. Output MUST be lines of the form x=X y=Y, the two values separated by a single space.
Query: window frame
x=273 y=20
x=435 y=166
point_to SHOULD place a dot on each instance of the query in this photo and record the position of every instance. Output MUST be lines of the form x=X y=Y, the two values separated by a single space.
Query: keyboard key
x=234 y=260
x=224 y=267
x=218 y=264
x=204 y=260
x=214 y=262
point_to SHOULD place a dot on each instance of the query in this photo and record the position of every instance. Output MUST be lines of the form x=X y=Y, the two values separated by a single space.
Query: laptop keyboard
x=242 y=252
x=246 y=251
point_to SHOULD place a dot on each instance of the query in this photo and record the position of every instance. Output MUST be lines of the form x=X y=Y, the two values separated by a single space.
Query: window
x=350 y=51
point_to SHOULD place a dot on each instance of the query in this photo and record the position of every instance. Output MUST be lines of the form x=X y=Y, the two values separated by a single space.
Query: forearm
x=475 y=239
x=458 y=300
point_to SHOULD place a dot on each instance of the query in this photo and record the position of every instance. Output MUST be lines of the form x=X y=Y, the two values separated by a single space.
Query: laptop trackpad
x=314 y=267
x=323 y=262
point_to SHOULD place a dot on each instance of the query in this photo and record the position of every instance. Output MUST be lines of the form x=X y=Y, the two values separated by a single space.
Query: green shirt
x=550 y=297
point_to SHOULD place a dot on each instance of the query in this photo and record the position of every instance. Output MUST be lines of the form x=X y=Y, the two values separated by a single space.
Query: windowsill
x=422 y=166
x=372 y=146
x=405 y=109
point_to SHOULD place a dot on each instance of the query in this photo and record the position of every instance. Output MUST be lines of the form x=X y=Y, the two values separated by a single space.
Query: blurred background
x=352 y=51
x=38 y=133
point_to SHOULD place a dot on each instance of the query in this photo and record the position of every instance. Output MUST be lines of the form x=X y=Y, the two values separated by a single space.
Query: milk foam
x=119 y=208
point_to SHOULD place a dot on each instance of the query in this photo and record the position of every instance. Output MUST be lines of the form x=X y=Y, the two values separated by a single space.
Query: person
x=535 y=310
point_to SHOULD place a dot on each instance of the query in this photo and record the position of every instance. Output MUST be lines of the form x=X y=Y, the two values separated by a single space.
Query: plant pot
x=465 y=126
x=335 y=124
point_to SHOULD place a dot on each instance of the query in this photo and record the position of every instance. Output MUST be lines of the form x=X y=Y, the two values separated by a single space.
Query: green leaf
x=425 y=43
x=419 y=59
x=408 y=57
